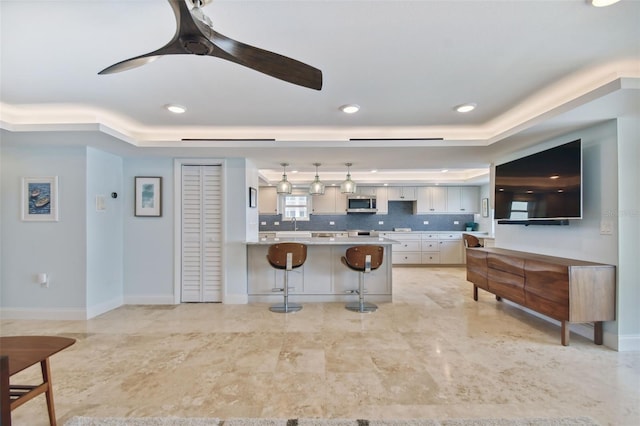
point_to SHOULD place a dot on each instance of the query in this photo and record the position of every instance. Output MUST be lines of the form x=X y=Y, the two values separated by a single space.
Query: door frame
x=177 y=221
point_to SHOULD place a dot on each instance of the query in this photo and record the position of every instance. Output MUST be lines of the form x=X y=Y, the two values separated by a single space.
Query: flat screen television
x=545 y=186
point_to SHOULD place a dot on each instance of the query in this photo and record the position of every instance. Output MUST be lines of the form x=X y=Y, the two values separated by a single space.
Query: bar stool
x=286 y=256
x=363 y=259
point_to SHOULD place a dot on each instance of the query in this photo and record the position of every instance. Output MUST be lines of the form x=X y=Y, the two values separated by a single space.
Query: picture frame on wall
x=253 y=197
x=485 y=207
x=148 y=198
x=40 y=199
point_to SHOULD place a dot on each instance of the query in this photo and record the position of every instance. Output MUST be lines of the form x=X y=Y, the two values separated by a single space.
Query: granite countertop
x=325 y=241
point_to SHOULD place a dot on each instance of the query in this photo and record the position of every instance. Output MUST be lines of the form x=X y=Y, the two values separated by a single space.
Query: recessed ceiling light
x=374 y=171
x=350 y=108
x=603 y=3
x=176 y=109
x=466 y=107
x=554 y=177
x=444 y=170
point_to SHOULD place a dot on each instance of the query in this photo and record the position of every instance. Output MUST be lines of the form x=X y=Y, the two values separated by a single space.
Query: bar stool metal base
x=283 y=309
x=364 y=307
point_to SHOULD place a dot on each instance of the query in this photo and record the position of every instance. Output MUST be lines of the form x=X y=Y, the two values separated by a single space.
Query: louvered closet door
x=201 y=234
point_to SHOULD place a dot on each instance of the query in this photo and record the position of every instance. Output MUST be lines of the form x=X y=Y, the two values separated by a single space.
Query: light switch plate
x=276 y=223
x=331 y=222
x=425 y=222
x=263 y=223
x=381 y=222
x=455 y=222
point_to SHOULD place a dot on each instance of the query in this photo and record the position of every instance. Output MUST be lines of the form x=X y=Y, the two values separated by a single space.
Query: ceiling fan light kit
x=195 y=35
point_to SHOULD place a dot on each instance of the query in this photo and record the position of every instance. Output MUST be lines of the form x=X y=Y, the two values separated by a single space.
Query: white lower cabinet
x=409 y=249
x=426 y=248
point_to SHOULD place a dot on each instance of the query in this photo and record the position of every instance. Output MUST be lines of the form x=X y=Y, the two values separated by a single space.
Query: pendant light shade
x=316 y=187
x=284 y=186
x=348 y=186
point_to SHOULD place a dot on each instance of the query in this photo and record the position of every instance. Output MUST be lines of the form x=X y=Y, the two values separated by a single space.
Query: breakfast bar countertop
x=325 y=241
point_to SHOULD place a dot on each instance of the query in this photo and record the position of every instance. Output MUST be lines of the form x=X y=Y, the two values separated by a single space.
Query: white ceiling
x=535 y=69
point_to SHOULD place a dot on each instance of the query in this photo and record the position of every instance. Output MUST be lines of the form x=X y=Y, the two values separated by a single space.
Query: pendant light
x=316 y=187
x=284 y=186
x=348 y=186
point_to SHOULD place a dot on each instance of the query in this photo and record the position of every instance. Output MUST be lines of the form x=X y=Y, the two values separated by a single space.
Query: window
x=296 y=206
x=519 y=210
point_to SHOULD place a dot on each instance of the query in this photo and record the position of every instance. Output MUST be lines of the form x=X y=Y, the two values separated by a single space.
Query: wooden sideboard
x=566 y=290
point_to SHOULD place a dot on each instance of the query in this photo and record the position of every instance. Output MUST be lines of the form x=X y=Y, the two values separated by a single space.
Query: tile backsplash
x=400 y=216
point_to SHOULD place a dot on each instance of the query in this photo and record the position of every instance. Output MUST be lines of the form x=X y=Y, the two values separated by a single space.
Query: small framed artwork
x=485 y=207
x=148 y=196
x=40 y=199
x=253 y=197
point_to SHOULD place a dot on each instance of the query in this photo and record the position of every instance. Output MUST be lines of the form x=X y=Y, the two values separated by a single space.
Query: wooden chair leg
x=5 y=392
x=46 y=378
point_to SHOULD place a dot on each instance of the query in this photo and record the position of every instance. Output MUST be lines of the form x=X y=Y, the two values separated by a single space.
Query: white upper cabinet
x=401 y=193
x=267 y=200
x=463 y=199
x=382 y=200
x=332 y=202
x=366 y=190
x=431 y=199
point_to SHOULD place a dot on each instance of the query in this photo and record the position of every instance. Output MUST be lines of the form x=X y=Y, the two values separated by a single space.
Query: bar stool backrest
x=277 y=255
x=471 y=240
x=355 y=257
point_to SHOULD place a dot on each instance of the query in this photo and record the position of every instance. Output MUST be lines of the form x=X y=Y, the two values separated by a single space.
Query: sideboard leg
x=597 y=333
x=565 y=333
x=475 y=293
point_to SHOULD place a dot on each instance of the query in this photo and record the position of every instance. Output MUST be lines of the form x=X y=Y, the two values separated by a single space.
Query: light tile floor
x=432 y=353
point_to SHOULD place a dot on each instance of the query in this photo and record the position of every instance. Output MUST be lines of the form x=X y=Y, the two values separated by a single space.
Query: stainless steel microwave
x=361 y=204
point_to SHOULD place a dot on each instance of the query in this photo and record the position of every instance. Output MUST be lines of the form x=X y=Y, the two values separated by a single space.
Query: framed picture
x=253 y=197
x=40 y=199
x=148 y=196
x=485 y=207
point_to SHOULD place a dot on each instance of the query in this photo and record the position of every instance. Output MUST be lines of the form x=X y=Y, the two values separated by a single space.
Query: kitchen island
x=323 y=277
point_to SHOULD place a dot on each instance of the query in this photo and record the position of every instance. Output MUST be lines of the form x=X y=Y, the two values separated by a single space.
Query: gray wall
x=582 y=238
x=148 y=241
x=104 y=232
x=98 y=260
x=57 y=248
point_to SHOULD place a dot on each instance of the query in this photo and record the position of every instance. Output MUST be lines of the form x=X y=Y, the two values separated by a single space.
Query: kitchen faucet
x=295 y=223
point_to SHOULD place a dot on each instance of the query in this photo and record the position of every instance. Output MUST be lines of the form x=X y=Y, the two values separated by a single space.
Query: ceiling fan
x=195 y=35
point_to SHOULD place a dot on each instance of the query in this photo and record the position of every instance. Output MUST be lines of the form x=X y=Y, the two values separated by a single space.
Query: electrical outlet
x=455 y=222
x=381 y=222
x=276 y=223
x=332 y=223
x=425 y=222
x=606 y=227
x=263 y=223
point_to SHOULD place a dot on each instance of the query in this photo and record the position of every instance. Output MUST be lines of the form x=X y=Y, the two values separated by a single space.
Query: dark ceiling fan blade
x=194 y=35
x=184 y=23
x=266 y=62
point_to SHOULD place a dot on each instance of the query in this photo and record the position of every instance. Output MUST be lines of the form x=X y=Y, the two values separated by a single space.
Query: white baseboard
x=64 y=314
x=236 y=299
x=101 y=308
x=629 y=343
x=145 y=299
